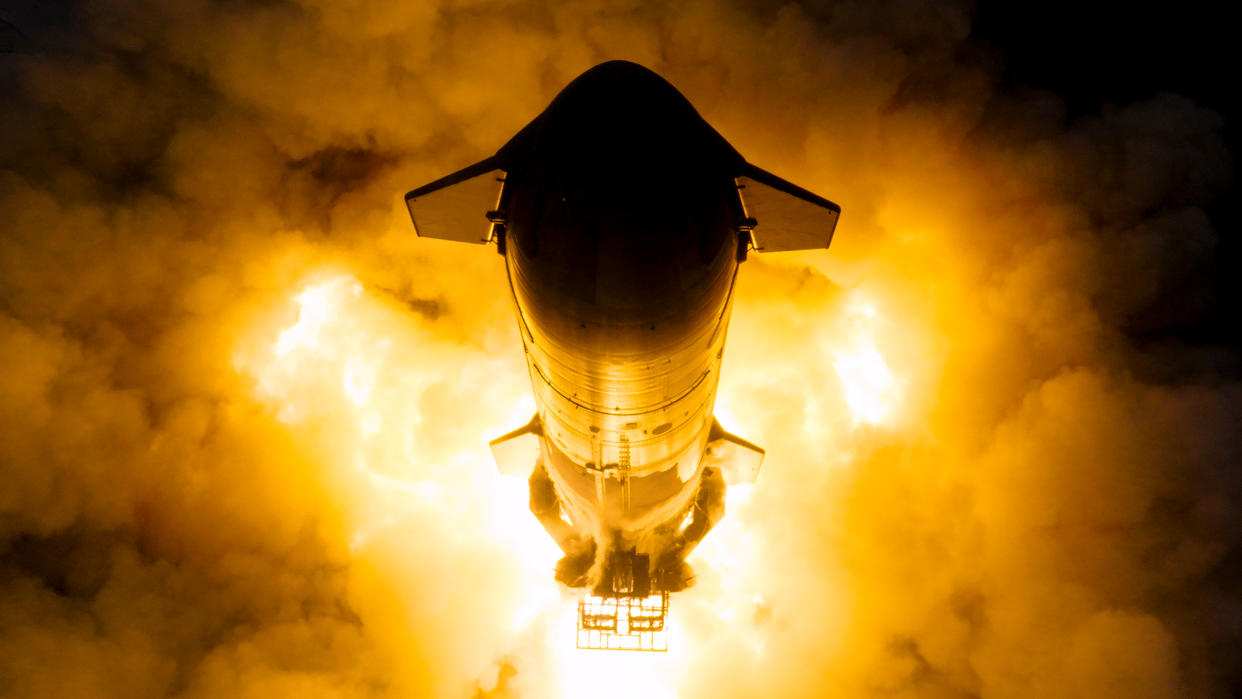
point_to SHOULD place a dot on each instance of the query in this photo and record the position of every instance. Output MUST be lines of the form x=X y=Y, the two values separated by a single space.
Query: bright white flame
x=318 y=305
x=354 y=373
x=869 y=387
x=354 y=367
x=401 y=418
x=867 y=383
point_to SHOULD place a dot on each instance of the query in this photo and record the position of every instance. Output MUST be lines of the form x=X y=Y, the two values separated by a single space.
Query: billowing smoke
x=244 y=412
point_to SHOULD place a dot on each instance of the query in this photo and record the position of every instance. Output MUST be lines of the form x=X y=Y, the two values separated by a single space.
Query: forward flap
x=785 y=216
x=456 y=207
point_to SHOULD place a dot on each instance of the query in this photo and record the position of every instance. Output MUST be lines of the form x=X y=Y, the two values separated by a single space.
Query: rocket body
x=622 y=275
x=623 y=218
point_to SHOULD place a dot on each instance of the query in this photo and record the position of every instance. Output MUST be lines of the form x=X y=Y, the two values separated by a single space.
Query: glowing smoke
x=244 y=413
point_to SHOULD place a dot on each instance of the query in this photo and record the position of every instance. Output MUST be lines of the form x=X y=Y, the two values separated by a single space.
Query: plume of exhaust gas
x=244 y=412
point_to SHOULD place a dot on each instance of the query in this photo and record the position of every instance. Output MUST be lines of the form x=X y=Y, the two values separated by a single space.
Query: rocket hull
x=623 y=218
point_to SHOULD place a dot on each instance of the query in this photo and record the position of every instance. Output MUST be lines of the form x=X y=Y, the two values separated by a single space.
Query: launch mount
x=623 y=612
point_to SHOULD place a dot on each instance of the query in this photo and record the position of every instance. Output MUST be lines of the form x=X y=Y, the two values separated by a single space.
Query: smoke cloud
x=243 y=411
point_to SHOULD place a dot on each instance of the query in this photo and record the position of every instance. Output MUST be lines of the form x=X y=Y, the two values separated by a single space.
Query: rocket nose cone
x=625 y=115
x=620 y=70
x=621 y=108
x=622 y=80
x=621 y=84
x=620 y=203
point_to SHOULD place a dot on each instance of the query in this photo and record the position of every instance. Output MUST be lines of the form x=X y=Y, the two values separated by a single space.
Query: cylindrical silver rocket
x=622 y=218
x=622 y=271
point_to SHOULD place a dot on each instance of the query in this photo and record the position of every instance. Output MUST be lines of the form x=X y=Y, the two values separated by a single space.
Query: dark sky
x=1099 y=56
x=1097 y=53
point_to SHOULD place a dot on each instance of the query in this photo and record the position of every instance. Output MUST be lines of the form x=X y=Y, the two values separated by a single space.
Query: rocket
x=623 y=218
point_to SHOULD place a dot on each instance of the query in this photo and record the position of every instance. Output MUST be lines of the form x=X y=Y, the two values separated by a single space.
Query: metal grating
x=623 y=623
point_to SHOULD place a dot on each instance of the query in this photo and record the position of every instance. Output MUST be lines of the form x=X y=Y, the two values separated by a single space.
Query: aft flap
x=517 y=452
x=456 y=207
x=737 y=459
x=785 y=216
